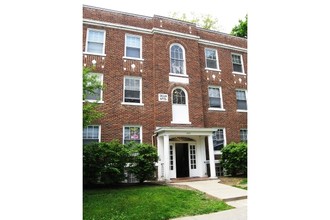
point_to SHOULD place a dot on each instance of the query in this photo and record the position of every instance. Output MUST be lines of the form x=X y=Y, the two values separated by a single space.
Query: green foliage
x=234 y=158
x=91 y=113
x=144 y=157
x=90 y=84
x=105 y=162
x=204 y=21
x=147 y=202
x=240 y=30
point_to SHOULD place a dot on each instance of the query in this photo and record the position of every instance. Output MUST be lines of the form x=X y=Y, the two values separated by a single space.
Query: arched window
x=177 y=59
x=179 y=97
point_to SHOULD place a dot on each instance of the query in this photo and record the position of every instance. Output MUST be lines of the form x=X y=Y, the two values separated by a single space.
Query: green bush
x=104 y=162
x=142 y=161
x=234 y=158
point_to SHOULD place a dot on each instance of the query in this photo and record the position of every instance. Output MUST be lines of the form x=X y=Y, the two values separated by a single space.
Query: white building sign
x=162 y=97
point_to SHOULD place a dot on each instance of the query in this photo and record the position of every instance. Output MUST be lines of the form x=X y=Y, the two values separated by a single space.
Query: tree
x=204 y=21
x=90 y=85
x=240 y=30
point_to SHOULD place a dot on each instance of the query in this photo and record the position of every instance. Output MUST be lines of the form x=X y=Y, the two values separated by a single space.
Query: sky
x=227 y=12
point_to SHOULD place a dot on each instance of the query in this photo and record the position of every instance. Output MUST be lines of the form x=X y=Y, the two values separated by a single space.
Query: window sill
x=93 y=101
x=133 y=58
x=132 y=103
x=238 y=110
x=217 y=109
x=179 y=75
x=239 y=73
x=183 y=123
x=179 y=78
x=96 y=54
x=217 y=70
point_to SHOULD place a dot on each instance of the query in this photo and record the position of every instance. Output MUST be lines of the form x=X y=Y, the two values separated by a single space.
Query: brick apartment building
x=168 y=83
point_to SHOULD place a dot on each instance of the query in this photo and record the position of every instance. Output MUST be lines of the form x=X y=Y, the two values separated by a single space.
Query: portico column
x=211 y=156
x=166 y=158
x=160 y=150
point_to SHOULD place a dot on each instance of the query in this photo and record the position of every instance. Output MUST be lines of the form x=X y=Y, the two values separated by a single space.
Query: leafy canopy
x=90 y=85
x=205 y=21
x=240 y=30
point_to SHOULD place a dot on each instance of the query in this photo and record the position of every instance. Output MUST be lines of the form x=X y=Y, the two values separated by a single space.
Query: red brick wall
x=155 y=76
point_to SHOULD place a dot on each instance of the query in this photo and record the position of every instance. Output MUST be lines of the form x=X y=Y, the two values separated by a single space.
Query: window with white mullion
x=211 y=59
x=241 y=100
x=91 y=134
x=132 y=90
x=218 y=139
x=96 y=94
x=243 y=135
x=95 y=41
x=215 y=99
x=237 y=63
x=179 y=97
x=133 y=46
x=171 y=158
x=132 y=133
x=192 y=157
x=177 y=59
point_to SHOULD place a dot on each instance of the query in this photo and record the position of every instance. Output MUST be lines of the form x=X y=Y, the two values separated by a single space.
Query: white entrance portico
x=182 y=152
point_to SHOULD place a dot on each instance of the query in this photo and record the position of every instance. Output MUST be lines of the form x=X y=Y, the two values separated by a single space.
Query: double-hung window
x=177 y=59
x=91 y=134
x=215 y=98
x=132 y=133
x=219 y=139
x=96 y=94
x=211 y=59
x=95 y=41
x=133 y=46
x=132 y=90
x=241 y=100
x=243 y=135
x=237 y=63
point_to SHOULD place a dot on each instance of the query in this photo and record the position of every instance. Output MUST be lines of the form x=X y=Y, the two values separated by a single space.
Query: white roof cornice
x=162 y=31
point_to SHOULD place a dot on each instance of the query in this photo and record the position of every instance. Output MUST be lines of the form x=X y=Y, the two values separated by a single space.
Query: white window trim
x=217 y=61
x=187 y=104
x=132 y=103
x=243 y=71
x=86 y=45
x=132 y=126
x=133 y=58
x=246 y=97
x=184 y=74
x=224 y=140
x=221 y=100
x=99 y=132
x=101 y=93
x=246 y=133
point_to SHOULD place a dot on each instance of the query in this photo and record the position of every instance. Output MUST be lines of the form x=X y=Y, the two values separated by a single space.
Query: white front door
x=180 y=111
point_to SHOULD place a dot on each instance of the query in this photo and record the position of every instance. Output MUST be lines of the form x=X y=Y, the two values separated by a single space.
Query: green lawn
x=146 y=202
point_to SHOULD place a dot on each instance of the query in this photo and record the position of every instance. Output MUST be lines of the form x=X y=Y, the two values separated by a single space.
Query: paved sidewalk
x=231 y=195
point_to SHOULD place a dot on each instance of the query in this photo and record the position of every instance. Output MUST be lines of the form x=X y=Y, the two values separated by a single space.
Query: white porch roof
x=184 y=131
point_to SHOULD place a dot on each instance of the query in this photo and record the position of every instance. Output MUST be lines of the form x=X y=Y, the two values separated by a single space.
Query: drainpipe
x=152 y=139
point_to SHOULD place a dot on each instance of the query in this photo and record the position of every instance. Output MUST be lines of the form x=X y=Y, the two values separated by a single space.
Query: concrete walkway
x=231 y=195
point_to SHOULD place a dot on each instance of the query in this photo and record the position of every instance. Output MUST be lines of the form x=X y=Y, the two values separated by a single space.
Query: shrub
x=104 y=162
x=143 y=159
x=234 y=158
